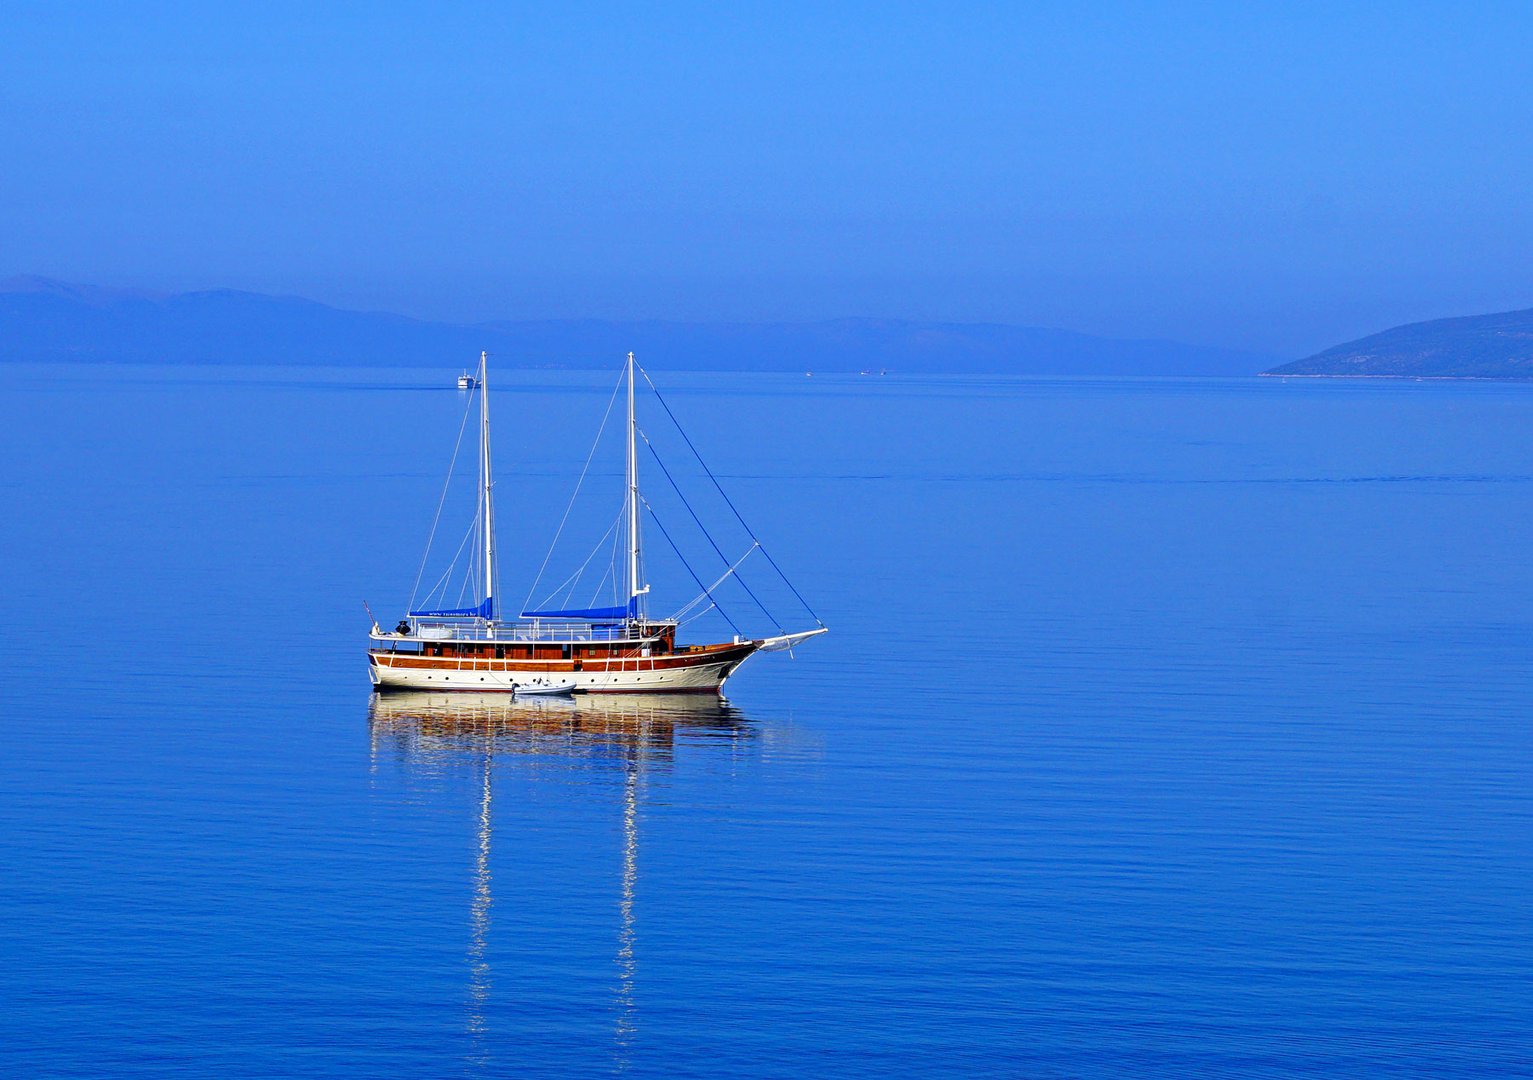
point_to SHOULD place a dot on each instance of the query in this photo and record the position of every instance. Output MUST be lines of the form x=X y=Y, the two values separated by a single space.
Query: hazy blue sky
x=1274 y=177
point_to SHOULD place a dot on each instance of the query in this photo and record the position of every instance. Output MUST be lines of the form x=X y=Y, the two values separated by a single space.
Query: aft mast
x=486 y=486
x=635 y=590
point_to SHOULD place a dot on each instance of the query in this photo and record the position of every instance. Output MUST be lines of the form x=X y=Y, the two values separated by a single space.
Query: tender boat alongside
x=539 y=688
x=560 y=650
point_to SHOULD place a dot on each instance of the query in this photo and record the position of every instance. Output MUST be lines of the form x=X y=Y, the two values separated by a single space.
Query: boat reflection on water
x=627 y=733
x=626 y=726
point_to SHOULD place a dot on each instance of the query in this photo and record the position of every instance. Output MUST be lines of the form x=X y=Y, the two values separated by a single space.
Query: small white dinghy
x=552 y=689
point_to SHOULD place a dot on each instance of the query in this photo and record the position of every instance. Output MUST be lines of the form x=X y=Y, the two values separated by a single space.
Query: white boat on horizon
x=613 y=649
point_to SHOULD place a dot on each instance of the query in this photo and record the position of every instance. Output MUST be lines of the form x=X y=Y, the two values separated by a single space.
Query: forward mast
x=636 y=591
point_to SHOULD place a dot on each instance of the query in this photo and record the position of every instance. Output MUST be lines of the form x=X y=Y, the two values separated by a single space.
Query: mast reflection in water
x=620 y=735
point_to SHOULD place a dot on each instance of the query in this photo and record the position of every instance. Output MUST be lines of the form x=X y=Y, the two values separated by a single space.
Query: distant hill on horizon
x=46 y=321
x=1496 y=346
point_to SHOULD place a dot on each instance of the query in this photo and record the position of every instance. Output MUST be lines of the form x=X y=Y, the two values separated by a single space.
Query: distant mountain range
x=1472 y=347
x=50 y=321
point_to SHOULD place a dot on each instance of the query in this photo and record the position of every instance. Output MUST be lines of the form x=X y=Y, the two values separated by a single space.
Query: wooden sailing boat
x=615 y=649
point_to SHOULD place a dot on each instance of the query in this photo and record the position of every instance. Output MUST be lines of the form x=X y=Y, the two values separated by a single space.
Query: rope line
x=694 y=618
x=698 y=521
x=601 y=429
x=426 y=555
x=728 y=501
x=567 y=586
x=665 y=533
x=441 y=582
x=700 y=597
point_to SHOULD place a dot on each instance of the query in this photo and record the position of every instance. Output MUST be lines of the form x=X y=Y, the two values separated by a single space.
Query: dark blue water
x=1165 y=728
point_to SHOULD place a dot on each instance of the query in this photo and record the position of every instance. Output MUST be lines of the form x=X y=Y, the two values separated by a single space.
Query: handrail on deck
x=503 y=634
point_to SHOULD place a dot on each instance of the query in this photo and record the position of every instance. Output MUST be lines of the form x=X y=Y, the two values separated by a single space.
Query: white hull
x=708 y=676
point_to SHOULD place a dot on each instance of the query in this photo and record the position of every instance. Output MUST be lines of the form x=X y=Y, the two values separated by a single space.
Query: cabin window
x=500 y=652
x=566 y=652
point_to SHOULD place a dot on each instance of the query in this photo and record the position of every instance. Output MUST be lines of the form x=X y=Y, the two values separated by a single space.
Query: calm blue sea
x=1165 y=728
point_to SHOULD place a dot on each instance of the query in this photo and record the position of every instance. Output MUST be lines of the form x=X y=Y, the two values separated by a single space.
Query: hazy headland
x=46 y=321
x=1496 y=346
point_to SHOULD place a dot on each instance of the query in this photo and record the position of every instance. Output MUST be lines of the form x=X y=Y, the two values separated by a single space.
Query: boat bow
x=787 y=641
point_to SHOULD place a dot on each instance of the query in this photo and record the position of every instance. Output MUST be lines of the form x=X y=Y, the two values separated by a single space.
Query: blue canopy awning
x=485 y=610
x=592 y=614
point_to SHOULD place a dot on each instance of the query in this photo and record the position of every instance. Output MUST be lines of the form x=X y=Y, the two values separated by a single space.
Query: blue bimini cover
x=485 y=610
x=590 y=614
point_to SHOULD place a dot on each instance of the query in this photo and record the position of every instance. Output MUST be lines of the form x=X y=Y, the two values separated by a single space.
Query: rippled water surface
x=1165 y=728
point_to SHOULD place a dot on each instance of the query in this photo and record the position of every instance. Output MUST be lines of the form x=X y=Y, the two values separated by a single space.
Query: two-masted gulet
x=613 y=649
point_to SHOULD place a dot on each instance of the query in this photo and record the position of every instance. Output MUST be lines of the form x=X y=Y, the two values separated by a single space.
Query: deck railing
x=534 y=632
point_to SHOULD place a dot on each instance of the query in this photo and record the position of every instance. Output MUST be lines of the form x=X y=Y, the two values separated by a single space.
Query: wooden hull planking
x=699 y=670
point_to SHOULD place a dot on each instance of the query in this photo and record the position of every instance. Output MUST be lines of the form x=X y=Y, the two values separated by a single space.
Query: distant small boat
x=467 y=382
